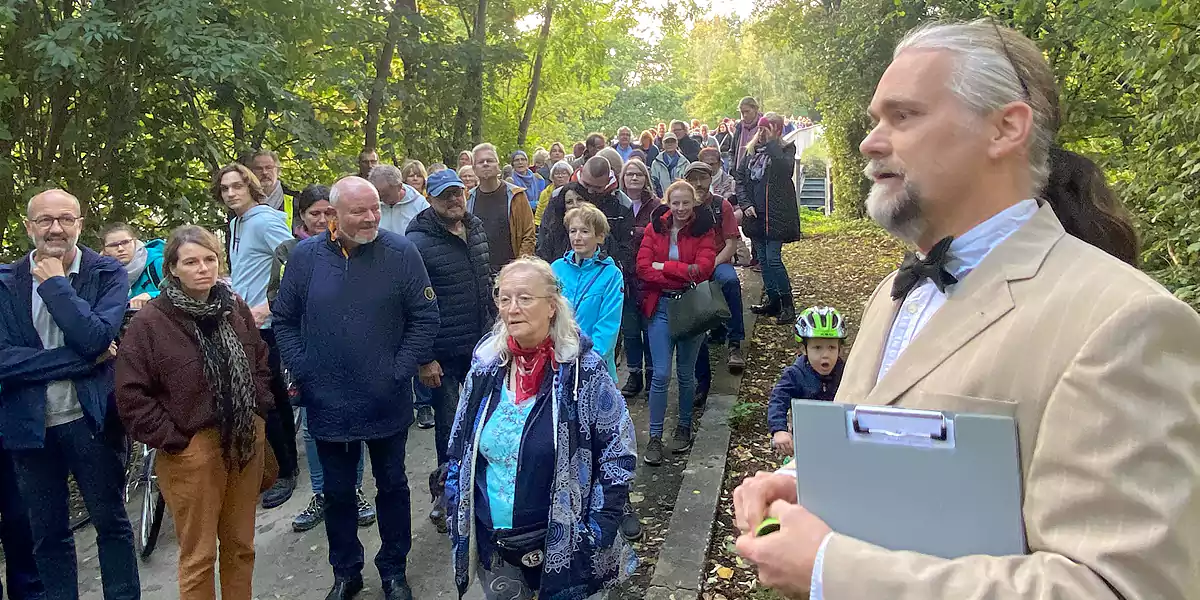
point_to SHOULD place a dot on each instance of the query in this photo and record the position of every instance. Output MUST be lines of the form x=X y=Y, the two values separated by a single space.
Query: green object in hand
x=768 y=526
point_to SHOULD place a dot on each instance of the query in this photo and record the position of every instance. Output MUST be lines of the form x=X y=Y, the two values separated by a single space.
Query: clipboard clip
x=900 y=422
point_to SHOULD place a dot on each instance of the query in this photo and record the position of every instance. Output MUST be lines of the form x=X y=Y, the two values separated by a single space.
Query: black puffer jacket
x=773 y=196
x=461 y=277
x=553 y=241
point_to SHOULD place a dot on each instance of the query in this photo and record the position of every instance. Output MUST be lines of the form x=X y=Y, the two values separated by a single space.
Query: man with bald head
x=354 y=319
x=600 y=188
x=61 y=307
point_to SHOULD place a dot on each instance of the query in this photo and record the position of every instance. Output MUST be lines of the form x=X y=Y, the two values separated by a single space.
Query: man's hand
x=261 y=313
x=750 y=212
x=108 y=355
x=430 y=375
x=138 y=301
x=658 y=266
x=785 y=558
x=782 y=442
x=752 y=499
x=50 y=266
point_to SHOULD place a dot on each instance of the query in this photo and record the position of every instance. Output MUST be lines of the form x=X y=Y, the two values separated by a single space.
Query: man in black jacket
x=454 y=248
x=599 y=186
x=687 y=146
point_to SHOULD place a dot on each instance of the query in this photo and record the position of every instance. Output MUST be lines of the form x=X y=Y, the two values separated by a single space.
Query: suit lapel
x=980 y=300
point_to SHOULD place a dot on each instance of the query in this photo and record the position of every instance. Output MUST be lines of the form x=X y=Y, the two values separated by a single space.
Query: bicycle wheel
x=153 y=507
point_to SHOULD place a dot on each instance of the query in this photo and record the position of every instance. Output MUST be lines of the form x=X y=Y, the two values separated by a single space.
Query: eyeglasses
x=1011 y=62
x=118 y=244
x=48 y=222
x=523 y=301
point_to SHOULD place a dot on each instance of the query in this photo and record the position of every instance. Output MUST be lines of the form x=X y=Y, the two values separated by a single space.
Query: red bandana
x=529 y=366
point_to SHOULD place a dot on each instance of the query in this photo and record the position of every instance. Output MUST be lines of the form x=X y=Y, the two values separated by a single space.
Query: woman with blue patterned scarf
x=542 y=454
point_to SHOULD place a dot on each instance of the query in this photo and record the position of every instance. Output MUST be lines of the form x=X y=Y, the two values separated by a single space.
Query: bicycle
x=152 y=505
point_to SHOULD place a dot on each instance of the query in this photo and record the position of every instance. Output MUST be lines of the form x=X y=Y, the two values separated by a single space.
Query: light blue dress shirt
x=966 y=252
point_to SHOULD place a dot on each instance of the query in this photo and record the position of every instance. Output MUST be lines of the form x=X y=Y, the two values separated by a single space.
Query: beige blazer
x=1101 y=367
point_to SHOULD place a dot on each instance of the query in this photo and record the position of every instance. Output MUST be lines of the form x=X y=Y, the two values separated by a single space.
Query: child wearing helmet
x=815 y=375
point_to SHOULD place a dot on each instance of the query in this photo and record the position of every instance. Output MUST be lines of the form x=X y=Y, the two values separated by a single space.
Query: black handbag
x=700 y=308
x=525 y=547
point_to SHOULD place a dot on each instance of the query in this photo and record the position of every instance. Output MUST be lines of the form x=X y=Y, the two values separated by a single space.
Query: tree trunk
x=536 y=78
x=475 y=73
x=383 y=71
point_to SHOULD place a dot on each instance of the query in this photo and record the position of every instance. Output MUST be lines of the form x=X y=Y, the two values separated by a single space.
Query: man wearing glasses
x=60 y=310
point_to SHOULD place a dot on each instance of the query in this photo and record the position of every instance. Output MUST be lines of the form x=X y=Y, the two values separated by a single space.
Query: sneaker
x=735 y=361
x=425 y=417
x=631 y=525
x=633 y=385
x=654 y=452
x=279 y=493
x=682 y=440
x=311 y=516
x=366 y=512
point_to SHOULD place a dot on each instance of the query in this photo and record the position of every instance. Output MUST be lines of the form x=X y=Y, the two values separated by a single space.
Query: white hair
x=985 y=77
x=346 y=184
x=385 y=175
x=564 y=332
x=561 y=165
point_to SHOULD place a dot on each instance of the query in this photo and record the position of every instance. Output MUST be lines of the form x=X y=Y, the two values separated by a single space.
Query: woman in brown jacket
x=193 y=382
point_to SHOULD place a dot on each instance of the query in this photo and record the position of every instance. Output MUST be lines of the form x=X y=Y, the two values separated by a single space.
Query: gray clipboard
x=937 y=483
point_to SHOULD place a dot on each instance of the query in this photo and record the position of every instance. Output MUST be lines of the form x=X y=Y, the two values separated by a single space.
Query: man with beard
x=1005 y=313
x=600 y=186
x=61 y=307
x=265 y=166
x=367 y=159
x=354 y=341
x=255 y=231
x=454 y=247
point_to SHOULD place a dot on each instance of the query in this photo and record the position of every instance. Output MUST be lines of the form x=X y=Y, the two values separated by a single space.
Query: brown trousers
x=210 y=502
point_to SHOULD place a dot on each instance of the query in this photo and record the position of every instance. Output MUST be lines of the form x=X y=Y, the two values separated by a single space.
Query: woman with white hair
x=560 y=175
x=540 y=397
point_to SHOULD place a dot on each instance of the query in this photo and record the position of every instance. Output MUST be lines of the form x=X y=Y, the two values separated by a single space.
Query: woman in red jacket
x=193 y=381
x=677 y=250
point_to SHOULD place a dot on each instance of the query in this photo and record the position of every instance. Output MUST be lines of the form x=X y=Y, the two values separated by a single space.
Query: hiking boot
x=425 y=417
x=682 y=440
x=787 y=312
x=735 y=361
x=366 y=512
x=654 y=452
x=397 y=589
x=631 y=525
x=633 y=385
x=345 y=589
x=311 y=516
x=769 y=308
x=280 y=492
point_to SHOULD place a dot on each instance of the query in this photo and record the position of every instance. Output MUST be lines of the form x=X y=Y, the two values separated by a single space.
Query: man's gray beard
x=55 y=252
x=902 y=216
x=365 y=239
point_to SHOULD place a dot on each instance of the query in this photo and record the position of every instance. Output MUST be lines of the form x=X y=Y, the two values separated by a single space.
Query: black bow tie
x=914 y=270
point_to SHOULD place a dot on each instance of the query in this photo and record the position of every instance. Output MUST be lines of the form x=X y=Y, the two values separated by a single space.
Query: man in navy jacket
x=354 y=318
x=61 y=307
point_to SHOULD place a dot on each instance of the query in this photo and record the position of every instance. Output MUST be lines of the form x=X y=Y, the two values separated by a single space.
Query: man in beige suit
x=1099 y=364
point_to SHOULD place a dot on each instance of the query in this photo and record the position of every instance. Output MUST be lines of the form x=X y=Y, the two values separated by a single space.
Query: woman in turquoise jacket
x=143 y=262
x=591 y=281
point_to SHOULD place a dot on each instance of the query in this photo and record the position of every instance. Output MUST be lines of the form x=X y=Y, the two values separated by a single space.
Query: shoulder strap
x=155 y=276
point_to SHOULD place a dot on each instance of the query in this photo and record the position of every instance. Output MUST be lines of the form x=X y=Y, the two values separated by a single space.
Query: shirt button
x=912 y=309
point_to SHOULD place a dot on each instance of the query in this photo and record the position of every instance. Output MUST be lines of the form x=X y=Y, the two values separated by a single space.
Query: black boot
x=345 y=589
x=787 y=311
x=397 y=589
x=770 y=308
x=633 y=386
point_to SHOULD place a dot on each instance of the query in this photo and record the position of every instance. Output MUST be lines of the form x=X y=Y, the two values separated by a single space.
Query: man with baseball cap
x=454 y=246
x=669 y=165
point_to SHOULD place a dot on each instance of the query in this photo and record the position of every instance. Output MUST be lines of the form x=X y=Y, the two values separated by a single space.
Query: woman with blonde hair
x=193 y=381
x=770 y=216
x=540 y=397
x=414 y=174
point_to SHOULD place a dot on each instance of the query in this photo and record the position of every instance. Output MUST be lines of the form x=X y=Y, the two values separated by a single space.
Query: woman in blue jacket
x=143 y=262
x=591 y=281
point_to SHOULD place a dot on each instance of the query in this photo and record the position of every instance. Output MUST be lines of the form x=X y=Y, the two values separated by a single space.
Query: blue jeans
x=731 y=288
x=662 y=347
x=392 y=502
x=637 y=340
x=316 y=474
x=95 y=461
x=15 y=535
x=774 y=274
x=422 y=396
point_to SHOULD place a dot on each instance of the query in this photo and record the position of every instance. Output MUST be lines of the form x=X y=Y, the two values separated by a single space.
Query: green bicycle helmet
x=820 y=322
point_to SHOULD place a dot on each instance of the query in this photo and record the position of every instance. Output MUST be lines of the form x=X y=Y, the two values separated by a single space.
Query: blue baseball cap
x=440 y=181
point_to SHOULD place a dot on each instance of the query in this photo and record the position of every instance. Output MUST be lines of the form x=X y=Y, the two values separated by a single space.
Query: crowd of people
x=490 y=302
